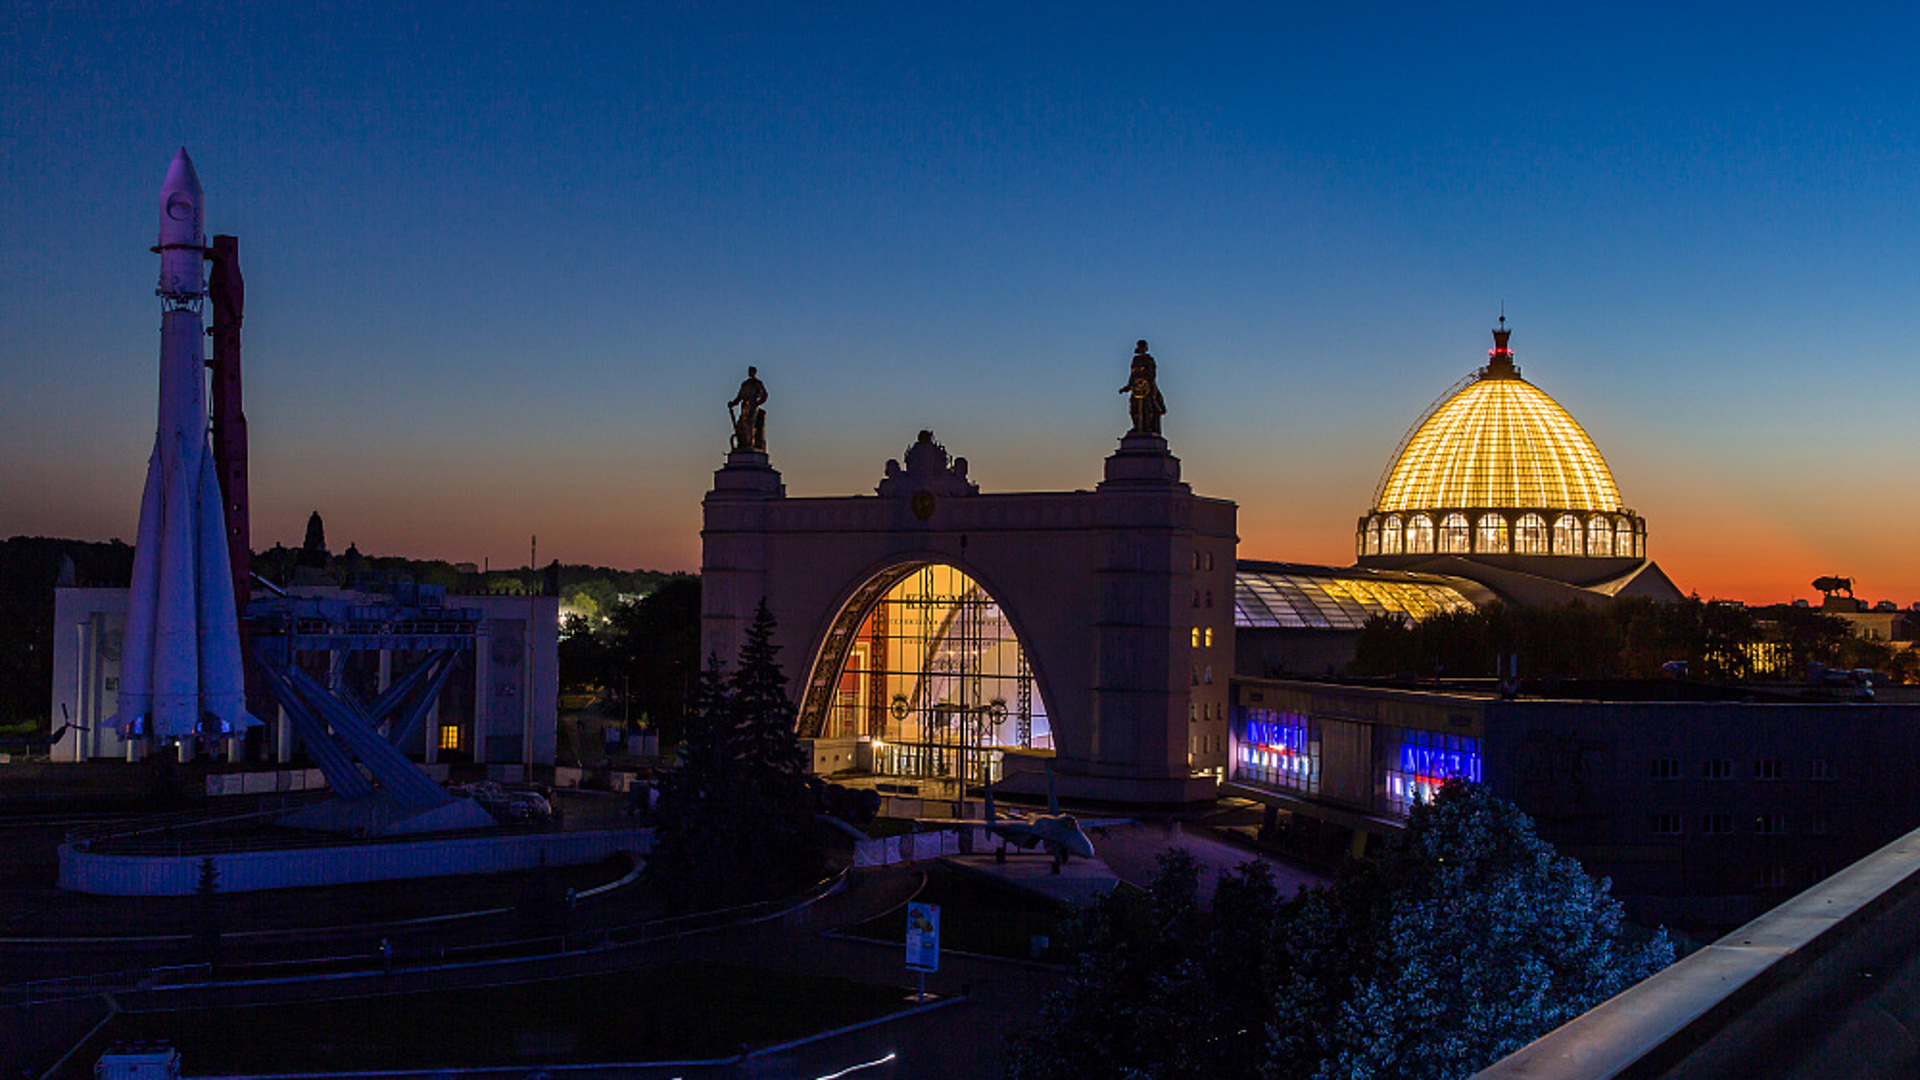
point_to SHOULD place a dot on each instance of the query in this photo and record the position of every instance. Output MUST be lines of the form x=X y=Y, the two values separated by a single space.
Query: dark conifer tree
x=735 y=818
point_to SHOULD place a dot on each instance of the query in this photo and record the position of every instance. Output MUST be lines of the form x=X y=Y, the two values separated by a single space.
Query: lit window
x=1373 y=536
x=1566 y=536
x=1530 y=535
x=1419 y=535
x=1599 y=537
x=1196 y=637
x=450 y=737
x=1390 y=536
x=1207 y=637
x=1622 y=536
x=1455 y=537
x=1493 y=535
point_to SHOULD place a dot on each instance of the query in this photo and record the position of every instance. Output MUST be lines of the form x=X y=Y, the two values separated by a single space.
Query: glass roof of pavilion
x=1498 y=442
x=1295 y=596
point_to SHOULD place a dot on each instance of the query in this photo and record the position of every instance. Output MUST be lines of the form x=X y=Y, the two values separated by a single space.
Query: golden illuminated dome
x=1498 y=468
x=1499 y=442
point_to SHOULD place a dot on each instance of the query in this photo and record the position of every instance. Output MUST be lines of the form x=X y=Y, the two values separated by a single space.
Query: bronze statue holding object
x=1146 y=405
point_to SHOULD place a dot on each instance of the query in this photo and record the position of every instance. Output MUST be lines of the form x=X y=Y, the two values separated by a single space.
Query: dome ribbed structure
x=1497 y=469
x=1499 y=442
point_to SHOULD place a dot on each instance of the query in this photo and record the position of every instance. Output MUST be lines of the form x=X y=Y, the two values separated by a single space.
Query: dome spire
x=1500 y=358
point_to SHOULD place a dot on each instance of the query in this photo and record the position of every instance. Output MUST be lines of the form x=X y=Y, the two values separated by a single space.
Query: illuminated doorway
x=936 y=679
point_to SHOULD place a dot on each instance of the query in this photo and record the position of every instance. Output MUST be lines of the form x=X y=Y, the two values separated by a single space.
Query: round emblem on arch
x=922 y=504
x=899 y=707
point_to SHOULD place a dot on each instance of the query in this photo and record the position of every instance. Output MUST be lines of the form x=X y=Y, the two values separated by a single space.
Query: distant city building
x=495 y=703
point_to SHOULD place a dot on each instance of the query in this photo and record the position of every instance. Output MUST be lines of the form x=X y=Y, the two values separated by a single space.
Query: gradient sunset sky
x=507 y=263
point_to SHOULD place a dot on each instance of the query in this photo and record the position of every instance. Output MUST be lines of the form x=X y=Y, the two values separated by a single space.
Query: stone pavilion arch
x=1094 y=586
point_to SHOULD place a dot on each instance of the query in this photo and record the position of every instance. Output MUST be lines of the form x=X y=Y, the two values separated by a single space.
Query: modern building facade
x=1705 y=807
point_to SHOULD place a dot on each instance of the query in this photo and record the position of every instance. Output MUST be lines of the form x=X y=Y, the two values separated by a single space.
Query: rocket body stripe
x=181 y=666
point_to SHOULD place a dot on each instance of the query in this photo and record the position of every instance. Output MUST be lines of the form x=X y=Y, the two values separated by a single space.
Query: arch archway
x=924 y=661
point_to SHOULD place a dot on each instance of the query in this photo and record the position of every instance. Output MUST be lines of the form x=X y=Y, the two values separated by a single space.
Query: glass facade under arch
x=936 y=678
x=1530 y=535
x=1492 y=535
x=1456 y=537
x=1373 y=536
x=1390 y=536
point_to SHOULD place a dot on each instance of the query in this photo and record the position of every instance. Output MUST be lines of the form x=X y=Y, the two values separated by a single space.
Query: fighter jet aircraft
x=1059 y=834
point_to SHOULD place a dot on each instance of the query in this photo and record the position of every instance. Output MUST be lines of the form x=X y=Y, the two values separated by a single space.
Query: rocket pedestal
x=181 y=672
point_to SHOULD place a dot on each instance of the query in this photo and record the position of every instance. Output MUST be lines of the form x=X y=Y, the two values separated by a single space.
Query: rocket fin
x=136 y=654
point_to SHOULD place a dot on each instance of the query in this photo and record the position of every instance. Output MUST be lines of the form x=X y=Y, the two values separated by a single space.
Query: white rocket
x=180 y=672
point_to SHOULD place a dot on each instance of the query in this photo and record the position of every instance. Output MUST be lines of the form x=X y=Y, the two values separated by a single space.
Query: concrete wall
x=248 y=871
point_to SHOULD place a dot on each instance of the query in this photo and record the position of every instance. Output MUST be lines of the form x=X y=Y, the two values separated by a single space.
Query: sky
x=506 y=263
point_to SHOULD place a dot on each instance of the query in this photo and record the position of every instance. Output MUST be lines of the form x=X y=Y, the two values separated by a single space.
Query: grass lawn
x=977 y=914
x=675 y=1012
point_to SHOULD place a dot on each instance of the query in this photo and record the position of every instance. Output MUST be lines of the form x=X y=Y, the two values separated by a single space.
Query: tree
x=735 y=818
x=1468 y=938
x=1161 y=987
x=652 y=653
x=206 y=928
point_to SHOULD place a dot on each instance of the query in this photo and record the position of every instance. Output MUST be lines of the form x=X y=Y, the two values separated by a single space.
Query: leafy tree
x=1468 y=938
x=651 y=651
x=735 y=817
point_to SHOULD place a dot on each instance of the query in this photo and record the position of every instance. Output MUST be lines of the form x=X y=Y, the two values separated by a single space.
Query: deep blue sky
x=505 y=264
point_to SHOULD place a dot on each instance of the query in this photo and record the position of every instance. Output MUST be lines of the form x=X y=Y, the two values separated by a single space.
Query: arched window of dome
x=1493 y=535
x=1566 y=536
x=1390 y=536
x=1530 y=535
x=1456 y=537
x=1599 y=537
x=1419 y=535
x=1640 y=544
x=1623 y=536
x=1373 y=536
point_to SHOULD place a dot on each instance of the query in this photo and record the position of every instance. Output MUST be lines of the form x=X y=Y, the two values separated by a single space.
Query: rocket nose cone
x=181 y=178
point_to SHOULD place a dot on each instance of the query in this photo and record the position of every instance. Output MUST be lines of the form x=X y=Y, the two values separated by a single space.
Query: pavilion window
x=1622 y=536
x=1456 y=537
x=1599 y=537
x=1419 y=535
x=1373 y=536
x=1390 y=536
x=1492 y=538
x=1566 y=536
x=1530 y=535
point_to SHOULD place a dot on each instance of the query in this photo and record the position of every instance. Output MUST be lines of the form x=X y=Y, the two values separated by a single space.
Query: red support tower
x=228 y=292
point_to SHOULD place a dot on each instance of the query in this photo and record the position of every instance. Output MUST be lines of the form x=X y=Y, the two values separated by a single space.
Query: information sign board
x=923 y=937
